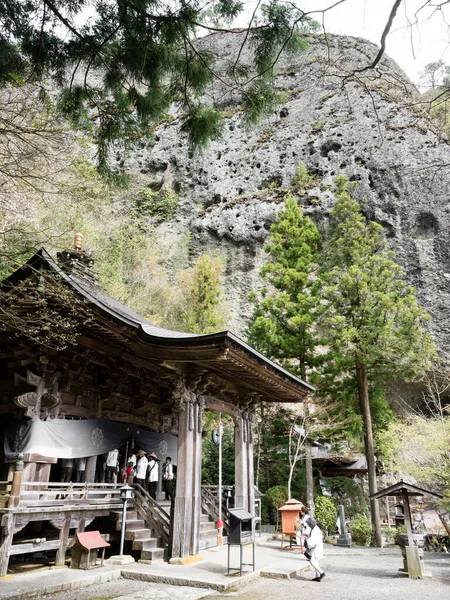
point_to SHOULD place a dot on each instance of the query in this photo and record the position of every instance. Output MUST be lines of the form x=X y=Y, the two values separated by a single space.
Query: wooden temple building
x=74 y=360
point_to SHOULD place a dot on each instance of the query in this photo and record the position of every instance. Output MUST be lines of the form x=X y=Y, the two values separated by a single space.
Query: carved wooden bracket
x=19 y=525
x=182 y=395
x=45 y=402
x=58 y=521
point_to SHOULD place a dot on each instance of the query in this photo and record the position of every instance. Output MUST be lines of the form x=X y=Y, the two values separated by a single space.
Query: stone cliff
x=370 y=127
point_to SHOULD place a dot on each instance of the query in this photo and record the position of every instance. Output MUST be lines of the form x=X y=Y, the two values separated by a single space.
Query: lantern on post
x=125 y=494
x=290 y=512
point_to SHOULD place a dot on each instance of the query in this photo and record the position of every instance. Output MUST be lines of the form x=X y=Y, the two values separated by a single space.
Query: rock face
x=367 y=127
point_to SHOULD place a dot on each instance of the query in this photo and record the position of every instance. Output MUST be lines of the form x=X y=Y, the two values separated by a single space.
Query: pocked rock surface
x=369 y=127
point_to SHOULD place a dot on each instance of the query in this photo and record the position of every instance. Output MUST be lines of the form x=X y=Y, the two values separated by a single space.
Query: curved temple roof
x=223 y=351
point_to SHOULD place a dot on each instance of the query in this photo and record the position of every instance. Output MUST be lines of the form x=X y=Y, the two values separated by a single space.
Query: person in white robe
x=141 y=468
x=314 y=548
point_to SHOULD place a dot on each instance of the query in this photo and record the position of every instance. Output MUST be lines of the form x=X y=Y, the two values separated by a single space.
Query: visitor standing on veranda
x=112 y=465
x=168 y=476
x=152 y=474
x=141 y=468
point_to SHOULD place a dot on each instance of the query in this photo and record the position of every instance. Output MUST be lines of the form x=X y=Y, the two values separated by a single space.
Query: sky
x=412 y=43
x=411 y=46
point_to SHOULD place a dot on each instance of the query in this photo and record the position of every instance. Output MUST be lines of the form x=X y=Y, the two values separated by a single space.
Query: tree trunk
x=309 y=477
x=291 y=470
x=363 y=394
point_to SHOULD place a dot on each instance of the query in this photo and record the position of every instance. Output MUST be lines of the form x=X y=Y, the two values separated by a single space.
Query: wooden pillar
x=14 y=495
x=81 y=525
x=197 y=479
x=250 y=467
x=6 y=537
x=413 y=561
x=29 y=471
x=160 y=475
x=186 y=468
x=42 y=472
x=241 y=476
x=408 y=520
x=91 y=466
x=37 y=468
x=63 y=539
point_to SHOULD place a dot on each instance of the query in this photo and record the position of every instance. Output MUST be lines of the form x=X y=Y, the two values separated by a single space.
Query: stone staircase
x=149 y=544
x=208 y=532
x=142 y=537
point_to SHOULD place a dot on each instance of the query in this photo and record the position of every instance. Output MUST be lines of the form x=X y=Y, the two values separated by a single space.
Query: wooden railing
x=210 y=505
x=46 y=494
x=154 y=516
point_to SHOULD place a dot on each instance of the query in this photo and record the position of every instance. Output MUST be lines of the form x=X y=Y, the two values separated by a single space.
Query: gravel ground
x=129 y=589
x=348 y=577
x=356 y=578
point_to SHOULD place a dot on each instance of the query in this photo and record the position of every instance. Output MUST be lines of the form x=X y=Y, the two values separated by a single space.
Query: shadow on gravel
x=355 y=572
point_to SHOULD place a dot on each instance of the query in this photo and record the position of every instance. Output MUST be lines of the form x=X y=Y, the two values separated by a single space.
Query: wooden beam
x=33 y=547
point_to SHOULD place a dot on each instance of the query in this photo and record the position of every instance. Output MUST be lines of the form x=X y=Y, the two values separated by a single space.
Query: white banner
x=66 y=438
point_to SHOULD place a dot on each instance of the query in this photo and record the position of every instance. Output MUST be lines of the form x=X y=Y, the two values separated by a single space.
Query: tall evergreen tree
x=372 y=323
x=282 y=322
x=204 y=310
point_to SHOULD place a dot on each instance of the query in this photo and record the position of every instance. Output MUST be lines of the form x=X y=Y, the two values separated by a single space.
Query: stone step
x=205 y=518
x=138 y=534
x=154 y=554
x=147 y=544
x=208 y=543
x=131 y=525
x=205 y=525
x=207 y=533
x=130 y=516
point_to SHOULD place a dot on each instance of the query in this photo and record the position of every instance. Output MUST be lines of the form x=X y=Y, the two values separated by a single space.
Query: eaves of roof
x=146 y=331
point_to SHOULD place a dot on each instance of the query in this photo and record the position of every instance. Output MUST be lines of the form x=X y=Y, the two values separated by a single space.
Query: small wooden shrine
x=101 y=362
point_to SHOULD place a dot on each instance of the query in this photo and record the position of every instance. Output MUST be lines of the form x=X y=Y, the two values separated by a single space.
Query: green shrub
x=400 y=529
x=302 y=179
x=317 y=125
x=277 y=496
x=160 y=205
x=389 y=534
x=349 y=493
x=361 y=531
x=436 y=543
x=445 y=502
x=325 y=513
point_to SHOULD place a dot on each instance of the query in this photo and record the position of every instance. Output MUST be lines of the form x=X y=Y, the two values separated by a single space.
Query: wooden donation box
x=241 y=533
x=85 y=547
x=241 y=527
x=290 y=512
